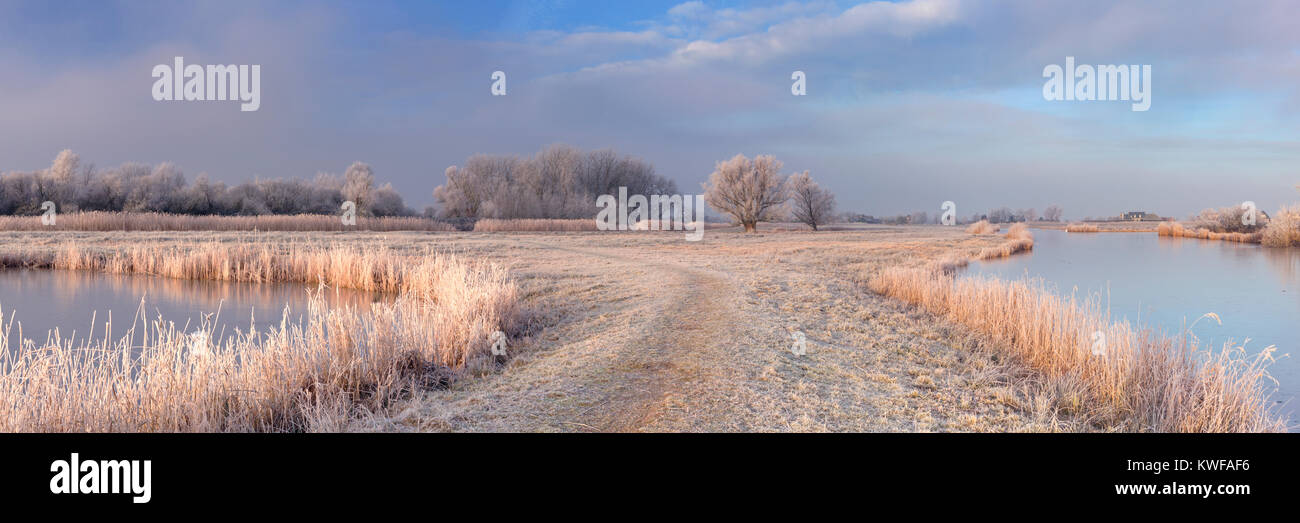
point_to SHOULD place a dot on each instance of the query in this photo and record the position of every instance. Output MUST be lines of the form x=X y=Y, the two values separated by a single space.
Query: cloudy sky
x=908 y=103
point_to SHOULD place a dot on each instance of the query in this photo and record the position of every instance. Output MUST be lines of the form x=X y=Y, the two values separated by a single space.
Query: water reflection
x=41 y=301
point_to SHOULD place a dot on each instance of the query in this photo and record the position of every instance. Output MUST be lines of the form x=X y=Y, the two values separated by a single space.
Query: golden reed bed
x=1176 y=230
x=535 y=225
x=288 y=377
x=1103 y=372
x=122 y=221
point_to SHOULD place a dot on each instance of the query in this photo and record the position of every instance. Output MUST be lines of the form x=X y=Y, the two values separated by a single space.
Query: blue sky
x=909 y=103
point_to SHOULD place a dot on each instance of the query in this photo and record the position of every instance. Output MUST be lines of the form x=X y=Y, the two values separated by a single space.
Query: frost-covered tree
x=811 y=204
x=750 y=191
x=358 y=184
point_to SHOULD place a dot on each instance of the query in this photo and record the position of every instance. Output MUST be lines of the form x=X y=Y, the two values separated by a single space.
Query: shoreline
x=894 y=371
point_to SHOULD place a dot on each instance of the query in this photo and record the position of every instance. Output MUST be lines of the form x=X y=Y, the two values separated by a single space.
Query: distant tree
x=1028 y=215
x=158 y=191
x=1000 y=215
x=1053 y=213
x=386 y=202
x=136 y=187
x=750 y=191
x=919 y=218
x=358 y=185
x=558 y=182
x=809 y=203
x=58 y=184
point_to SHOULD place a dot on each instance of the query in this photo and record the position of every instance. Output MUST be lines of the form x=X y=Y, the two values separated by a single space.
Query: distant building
x=1139 y=216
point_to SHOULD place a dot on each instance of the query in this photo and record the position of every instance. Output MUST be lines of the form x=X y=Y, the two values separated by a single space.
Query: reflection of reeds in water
x=125 y=221
x=228 y=304
x=1019 y=240
x=203 y=294
x=1136 y=381
x=294 y=376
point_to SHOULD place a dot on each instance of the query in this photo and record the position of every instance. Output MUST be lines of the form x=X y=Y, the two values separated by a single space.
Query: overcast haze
x=909 y=103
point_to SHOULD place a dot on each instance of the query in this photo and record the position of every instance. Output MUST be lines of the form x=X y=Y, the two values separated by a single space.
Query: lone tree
x=809 y=203
x=749 y=190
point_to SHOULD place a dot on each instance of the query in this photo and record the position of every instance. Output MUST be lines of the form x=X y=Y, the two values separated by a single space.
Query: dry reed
x=1177 y=230
x=1019 y=240
x=1082 y=227
x=1284 y=229
x=123 y=221
x=294 y=376
x=535 y=225
x=982 y=227
x=1133 y=381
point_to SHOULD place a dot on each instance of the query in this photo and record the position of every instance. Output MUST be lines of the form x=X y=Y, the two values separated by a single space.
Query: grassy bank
x=1227 y=224
x=1103 y=372
x=292 y=376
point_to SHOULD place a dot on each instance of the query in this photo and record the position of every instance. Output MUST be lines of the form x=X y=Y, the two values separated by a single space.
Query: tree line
x=560 y=181
x=135 y=187
x=1053 y=213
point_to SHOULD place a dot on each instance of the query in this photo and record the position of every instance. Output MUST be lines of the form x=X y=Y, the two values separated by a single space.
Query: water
x=1168 y=283
x=43 y=300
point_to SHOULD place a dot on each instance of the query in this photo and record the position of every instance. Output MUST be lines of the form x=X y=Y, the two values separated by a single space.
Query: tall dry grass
x=1139 y=381
x=1177 y=230
x=292 y=376
x=1082 y=227
x=1019 y=240
x=1284 y=229
x=124 y=221
x=982 y=227
x=535 y=225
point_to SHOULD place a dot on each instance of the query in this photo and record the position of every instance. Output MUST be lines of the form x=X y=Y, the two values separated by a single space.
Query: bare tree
x=1053 y=213
x=749 y=190
x=809 y=203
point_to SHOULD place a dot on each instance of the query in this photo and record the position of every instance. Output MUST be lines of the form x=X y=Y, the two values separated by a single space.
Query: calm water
x=43 y=301
x=1168 y=283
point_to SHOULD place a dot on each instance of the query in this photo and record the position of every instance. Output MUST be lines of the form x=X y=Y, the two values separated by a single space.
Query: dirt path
x=675 y=337
x=619 y=358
